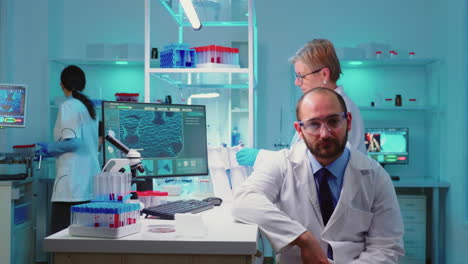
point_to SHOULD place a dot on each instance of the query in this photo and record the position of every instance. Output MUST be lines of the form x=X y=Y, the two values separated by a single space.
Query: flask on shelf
x=155 y=58
x=235 y=137
x=154 y=53
x=411 y=55
x=393 y=54
x=378 y=55
x=398 y=100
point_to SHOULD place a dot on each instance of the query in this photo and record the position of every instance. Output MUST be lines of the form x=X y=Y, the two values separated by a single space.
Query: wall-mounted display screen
x=12 y=105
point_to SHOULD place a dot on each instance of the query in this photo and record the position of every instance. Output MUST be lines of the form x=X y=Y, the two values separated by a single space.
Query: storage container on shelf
x=127 y=97
x=215 y=56
x=369 y=49
x=177 y=56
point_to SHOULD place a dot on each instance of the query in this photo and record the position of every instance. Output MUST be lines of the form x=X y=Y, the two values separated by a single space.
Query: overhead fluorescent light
x=355 y=63
x=202 y=95
x=205 y=95
x=191 y=14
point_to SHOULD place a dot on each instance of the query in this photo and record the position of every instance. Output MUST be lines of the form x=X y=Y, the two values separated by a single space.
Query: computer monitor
x=387 y=145
x=12 y=105
x=170 y=138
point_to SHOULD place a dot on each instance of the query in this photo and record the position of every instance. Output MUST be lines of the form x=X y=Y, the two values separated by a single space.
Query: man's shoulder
x=268 y=157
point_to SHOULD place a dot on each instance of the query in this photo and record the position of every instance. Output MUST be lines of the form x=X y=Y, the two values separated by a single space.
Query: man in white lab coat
x=320 y=200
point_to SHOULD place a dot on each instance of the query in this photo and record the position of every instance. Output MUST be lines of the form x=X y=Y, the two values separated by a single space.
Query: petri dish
x=162 y=228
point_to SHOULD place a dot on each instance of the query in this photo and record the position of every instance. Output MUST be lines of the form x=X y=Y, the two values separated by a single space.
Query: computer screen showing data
x=170 y=138
x=387 y=145
x=12 y=105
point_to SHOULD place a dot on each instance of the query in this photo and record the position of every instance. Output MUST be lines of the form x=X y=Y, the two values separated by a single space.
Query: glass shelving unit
x=386 y=62
x=224 y=81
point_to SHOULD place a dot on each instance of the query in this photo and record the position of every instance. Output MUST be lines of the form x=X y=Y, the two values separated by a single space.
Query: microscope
x=132 y=159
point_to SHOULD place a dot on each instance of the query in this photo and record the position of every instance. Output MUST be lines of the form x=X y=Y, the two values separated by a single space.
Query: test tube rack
x=214 y=55
x=105 y=219
x=177 y=56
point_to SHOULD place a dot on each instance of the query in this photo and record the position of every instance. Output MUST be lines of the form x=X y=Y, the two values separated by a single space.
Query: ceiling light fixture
x=190 y=12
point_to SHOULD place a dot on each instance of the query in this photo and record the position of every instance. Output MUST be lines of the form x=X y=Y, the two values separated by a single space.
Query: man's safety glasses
x=314 y=126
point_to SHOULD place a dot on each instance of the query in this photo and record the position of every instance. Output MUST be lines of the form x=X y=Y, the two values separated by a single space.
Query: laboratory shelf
x=103 y=62
x=199 y=70
x=229 y=78
x=233 y=84
x=400 y=108
x=239 y=110
x=365 y=63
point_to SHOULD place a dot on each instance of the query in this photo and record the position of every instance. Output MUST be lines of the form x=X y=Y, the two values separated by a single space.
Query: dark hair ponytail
x=85 y=100
x=74 y=80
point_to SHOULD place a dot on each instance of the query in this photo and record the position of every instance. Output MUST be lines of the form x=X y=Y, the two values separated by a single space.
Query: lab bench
x=230 y=242
x=226 y=241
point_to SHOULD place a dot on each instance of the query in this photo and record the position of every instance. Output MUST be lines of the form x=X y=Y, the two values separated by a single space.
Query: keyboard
x=168 y=210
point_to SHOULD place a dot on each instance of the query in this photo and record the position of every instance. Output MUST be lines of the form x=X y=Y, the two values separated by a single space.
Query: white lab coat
x=356 y=135
x=75 y=171
x=280 y=196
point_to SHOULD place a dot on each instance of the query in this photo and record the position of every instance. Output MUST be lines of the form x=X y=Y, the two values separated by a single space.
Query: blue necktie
x=325 y=196
x=326 y=201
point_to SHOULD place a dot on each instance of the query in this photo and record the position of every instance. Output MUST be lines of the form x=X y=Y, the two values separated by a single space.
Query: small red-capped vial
x=378 y=54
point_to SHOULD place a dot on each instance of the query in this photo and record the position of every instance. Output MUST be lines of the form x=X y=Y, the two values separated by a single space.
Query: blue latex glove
x=247 y=156
x=43 y=150
x=54 y=149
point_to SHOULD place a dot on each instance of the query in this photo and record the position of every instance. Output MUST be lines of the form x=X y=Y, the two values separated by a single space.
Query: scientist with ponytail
x=75 y=147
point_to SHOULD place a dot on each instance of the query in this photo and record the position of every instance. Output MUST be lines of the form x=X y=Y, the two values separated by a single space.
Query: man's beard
x=337 y=147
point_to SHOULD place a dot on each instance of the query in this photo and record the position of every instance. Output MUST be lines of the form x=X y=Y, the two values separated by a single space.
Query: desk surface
x=225 y=236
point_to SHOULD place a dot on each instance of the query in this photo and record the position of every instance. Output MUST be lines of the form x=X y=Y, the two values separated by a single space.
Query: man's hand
x=311 y=252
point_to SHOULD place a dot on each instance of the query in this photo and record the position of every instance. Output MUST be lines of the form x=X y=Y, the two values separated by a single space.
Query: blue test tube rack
x=178 y=56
